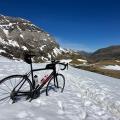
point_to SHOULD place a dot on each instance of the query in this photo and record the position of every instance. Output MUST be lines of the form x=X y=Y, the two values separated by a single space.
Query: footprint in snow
x=25 y=114
x=72 y=101
x=61 y=108
x=87 y=103
x=40 y=118
x=22 y=115
x=38 y=102
x=78 y=95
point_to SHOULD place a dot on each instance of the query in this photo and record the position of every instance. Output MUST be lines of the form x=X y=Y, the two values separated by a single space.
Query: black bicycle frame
x=52 y=75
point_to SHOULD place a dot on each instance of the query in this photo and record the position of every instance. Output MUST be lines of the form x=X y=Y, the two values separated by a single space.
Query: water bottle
x=36 y=80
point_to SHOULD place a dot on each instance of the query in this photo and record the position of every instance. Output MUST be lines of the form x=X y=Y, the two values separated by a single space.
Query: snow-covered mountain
x=18 y=35
x=87 y=96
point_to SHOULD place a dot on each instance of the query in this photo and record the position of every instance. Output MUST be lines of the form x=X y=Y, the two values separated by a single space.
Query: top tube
x=39 y=69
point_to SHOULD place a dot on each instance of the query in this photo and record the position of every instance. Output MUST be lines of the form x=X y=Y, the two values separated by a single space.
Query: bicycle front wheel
x=14 y=88
x=56 y=85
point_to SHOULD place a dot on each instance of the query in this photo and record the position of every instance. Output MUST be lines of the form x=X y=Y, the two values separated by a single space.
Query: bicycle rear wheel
x=56 y=85
x=14 y=88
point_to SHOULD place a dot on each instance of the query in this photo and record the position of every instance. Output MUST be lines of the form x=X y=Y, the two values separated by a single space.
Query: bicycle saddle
x=27 y=58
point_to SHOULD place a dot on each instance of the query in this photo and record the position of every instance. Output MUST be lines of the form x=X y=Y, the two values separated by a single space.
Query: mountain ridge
x=19 y=35
x=107 y=53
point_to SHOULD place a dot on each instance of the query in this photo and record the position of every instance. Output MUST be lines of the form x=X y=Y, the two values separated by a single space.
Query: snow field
x=112 y=67
x=87 y=96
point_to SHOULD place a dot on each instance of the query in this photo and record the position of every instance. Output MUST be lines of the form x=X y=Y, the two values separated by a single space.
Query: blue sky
x=76 y=24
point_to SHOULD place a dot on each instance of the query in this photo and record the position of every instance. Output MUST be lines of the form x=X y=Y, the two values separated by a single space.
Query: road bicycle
x=15 y=87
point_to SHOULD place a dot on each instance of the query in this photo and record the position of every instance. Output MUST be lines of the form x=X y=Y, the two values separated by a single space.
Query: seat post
x=32 y=73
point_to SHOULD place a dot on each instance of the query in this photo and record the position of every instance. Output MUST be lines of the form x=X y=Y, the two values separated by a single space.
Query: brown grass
x=111 y=73
x=107 y=62
x=75 y=61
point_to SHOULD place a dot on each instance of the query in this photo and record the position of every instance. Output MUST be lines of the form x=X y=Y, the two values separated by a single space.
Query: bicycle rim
x=21 y=87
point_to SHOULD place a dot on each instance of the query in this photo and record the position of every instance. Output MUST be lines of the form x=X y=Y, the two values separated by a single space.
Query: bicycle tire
x=56 y=85
x=7 y=87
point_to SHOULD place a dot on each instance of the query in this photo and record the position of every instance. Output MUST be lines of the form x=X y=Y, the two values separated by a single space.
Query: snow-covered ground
x=87 y=96
x=111 y=67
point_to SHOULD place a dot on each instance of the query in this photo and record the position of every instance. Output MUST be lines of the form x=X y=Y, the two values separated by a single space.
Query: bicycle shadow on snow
x=50 y=88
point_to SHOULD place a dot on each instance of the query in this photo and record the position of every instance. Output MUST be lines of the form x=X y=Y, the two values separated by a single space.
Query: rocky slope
x=18 y=35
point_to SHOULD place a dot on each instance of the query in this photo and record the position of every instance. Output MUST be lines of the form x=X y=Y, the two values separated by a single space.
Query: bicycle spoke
x=3 y=94
x=4 y=90
x=7 y=87
x=11 y=83
x=5 y=101
x=19 y=84
x=15 y=83
x=4 y=98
